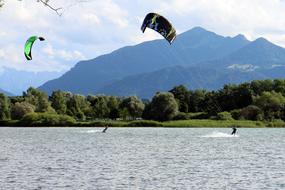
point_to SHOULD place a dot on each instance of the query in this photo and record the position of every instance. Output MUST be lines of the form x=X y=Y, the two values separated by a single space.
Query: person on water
x=234 y=131
x=104 y=131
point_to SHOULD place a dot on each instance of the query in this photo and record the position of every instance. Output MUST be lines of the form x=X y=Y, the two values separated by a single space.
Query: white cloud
x=115 y=13
x=92 y=18
x=2 y=54
x=2 y=34
x=243 y=68
x=275 y=65
x=70 y=55
x=147 y=36
x=62 y=54
x=49 y=51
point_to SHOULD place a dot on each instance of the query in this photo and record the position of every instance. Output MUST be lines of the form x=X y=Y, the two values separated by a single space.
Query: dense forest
x=259 y=100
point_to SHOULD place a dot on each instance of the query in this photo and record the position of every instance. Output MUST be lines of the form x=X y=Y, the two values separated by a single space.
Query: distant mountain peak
x=198 y=31
x=240 y=37
x=262 y=41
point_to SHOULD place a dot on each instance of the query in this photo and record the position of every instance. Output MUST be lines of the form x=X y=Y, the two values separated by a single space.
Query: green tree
x=163 y=107
x=211 y=103
x=75 y=106
x=15 y=99
x=134 y=106
x=279 y=86
x=271 y=103
x=260 y=86
x=235 y=96
x=124 y=113
x=197 y=100
x=84 y=105
x=4 y=107
x=182 y=96
x=99 y=105
x=39 y=99
x=58 y=101
x=19 y=109
x=113 y=105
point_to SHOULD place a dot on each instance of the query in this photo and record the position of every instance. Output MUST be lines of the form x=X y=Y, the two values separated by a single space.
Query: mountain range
x=6 y=93
x=197 y=59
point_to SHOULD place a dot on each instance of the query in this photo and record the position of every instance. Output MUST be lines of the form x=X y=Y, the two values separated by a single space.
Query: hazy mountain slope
x=146 y=85
x=5 y=92
x=18 y=81
x=259 y=54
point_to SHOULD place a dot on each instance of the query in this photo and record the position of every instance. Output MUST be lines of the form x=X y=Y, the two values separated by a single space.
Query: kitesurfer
x=104 y=131
x=234 y=131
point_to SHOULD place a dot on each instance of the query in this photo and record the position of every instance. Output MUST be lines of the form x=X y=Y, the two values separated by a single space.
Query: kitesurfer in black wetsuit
x=234 y=131
x=104 y=131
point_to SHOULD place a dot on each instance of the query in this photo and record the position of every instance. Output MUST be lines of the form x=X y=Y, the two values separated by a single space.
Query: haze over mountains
x=197 y=59
x=15 y=81
x=5 y=92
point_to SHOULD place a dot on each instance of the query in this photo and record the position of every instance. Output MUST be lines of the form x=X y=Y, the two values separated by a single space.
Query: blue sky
x=95 y=27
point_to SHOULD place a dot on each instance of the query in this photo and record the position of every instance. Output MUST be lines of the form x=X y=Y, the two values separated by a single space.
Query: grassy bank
x=215 y=123
x=146 y=123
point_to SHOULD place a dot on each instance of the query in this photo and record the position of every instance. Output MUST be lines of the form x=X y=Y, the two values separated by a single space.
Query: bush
x=276 y=123
x=144 y=123
x=100 y=124
x=19 y=109
x=10 y=123
x=236 y=114
x=198 y=115
x=224 y=116
x=251 y=112
x=181 y=116
x=47 y=119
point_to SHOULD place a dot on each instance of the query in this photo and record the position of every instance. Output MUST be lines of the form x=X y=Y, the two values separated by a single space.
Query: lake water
x=141 y=158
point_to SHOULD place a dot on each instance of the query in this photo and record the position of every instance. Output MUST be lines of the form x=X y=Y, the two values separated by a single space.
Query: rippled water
x=141 y=158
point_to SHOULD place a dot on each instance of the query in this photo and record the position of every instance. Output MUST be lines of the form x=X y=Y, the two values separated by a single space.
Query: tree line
x=258 y=100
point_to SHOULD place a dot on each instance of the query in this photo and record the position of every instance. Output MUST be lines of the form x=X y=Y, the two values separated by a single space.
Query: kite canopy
x=161 y=25
x=29 y=45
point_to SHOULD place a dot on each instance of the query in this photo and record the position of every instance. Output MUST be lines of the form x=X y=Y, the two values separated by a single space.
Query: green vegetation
x=47 y=119
x=224 y=116
x=144 y=123
x=255 y=104
x=163 y=107
x=4 y=107
x=215 y=123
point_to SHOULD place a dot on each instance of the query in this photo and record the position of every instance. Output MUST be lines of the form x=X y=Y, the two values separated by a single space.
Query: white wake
x=219 y=135
x=92 y=131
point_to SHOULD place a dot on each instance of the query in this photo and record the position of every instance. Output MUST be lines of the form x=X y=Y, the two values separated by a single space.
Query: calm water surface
x=141 y=158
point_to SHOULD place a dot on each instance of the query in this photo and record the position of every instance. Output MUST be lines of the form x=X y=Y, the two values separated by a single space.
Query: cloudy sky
x=94 y=27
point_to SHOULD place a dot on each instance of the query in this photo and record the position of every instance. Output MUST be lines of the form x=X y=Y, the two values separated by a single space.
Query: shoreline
x=203 y=123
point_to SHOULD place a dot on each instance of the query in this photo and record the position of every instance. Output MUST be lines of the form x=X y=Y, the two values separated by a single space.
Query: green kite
x=29 y=44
